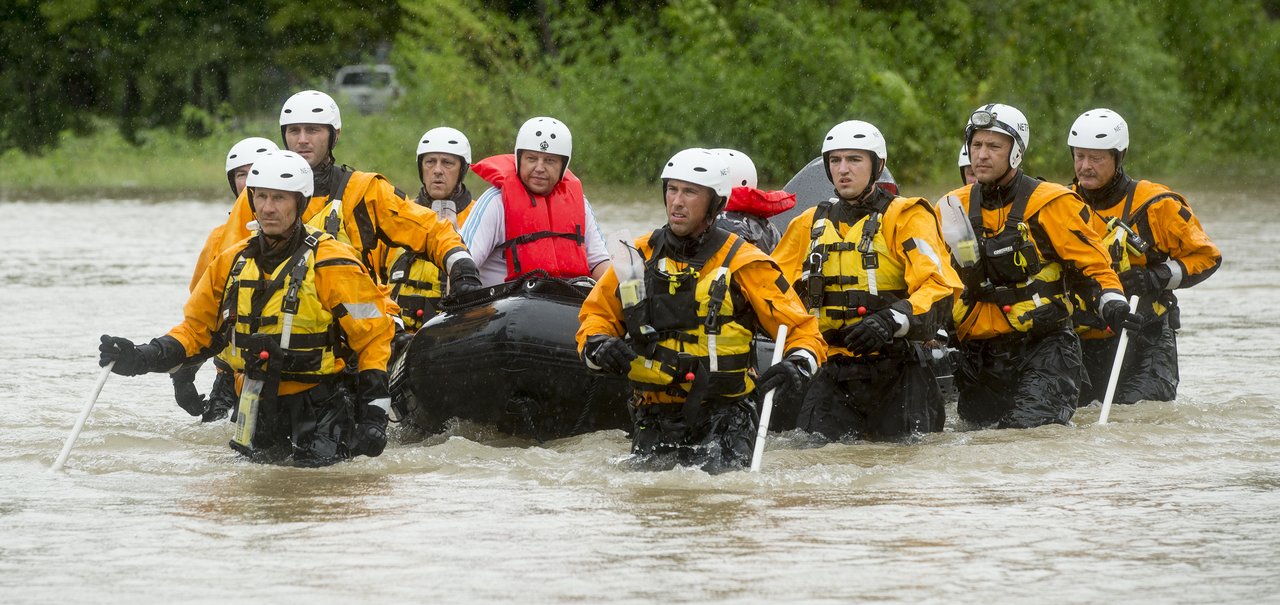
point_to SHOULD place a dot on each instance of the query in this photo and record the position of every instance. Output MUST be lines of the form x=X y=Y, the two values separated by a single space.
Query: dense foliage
x=637 y=81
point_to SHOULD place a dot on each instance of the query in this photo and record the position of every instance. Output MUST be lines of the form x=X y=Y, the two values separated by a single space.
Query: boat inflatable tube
x=505 y=356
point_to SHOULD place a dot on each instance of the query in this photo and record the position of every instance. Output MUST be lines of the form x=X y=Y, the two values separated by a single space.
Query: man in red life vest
x=535 y=216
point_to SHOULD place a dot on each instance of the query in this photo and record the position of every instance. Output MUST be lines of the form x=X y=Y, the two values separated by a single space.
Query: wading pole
x=84 y=415
x=766 y=408
x=1115 y=368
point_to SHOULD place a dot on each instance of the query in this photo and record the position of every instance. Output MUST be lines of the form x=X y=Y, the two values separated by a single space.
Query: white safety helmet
x=547 y=135
x=964 y=160
x=742 y=171
x=248 y=151
x=445 y=140
x=1099 y=128
x=311 y=107
x=855 y=134
x=1006 y=120
x=700 y=167
x=282 y=170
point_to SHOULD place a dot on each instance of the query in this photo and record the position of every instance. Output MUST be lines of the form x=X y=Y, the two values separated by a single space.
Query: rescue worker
x=535 y=215
x=678 y=322
x=1157 y=246
x=444 y=155
x=222 y=395
x=873 y=269
x=294 y=300
x=1019 y=361
x=358 y=208
x=966 y=167
x=748 y=210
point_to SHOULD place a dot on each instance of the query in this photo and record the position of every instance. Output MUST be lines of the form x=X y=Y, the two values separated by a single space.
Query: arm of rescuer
x=401 y=222
x=1193 y=257
x=1067 y=222
x=775 y=303
x=794 y=246
x=601 y=312
x=915 y=236
x=360 y=308
x=231 y=232
x=212 y=246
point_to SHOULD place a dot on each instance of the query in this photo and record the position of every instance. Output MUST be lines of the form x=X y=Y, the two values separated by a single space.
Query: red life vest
x=756 y=202
x=545 y=233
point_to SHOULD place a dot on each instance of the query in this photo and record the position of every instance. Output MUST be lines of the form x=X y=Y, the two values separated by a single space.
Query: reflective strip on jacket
x=337 y=288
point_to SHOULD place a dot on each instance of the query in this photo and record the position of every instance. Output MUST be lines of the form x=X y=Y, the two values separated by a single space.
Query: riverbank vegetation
x=98 y=99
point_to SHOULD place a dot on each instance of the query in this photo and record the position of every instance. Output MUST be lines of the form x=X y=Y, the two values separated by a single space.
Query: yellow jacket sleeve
x=211 y=248
x=346 y=290
x=601 y=313
x=201 y=314
x=775 y=303
x=915 y=236
x=231 y=232
x=1177 y=230
x=381 y=212
x=1068 y=223
x=794 y=245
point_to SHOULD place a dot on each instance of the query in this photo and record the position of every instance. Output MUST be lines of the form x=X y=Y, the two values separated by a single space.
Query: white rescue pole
x=1115 y=368
x=84 y=415
x=766 y=408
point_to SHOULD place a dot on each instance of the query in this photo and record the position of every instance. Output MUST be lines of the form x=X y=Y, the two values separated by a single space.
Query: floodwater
x=1169 y=503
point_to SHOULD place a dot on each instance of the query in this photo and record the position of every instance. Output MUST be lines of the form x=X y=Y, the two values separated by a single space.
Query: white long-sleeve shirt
x=486 y=229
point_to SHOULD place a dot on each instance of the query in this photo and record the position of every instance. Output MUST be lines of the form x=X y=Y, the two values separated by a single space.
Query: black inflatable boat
x=505 y=356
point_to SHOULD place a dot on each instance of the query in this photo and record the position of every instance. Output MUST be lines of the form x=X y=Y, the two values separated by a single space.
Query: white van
x=369 y=88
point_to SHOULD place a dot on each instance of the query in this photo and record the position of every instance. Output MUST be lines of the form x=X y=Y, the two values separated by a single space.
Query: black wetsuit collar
x=325 y=176
x=1108 y=195
x=269 y=254
x=461 y=198
x=852 y=211
x=999 y=196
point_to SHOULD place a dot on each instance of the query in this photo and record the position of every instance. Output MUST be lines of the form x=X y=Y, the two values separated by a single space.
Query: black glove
x=788 y=375
x=464 y=276
x=222 y=397
x=185 y=393
x=611 y=353
x=371 y=432
x=130 y=359
x=1143 y=281
x=872 y=333
x=1119 y=316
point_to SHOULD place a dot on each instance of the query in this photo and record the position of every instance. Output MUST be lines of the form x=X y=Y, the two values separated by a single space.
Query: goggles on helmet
x=983 y=119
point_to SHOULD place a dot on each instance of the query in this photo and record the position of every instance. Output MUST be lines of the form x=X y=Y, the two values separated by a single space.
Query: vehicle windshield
x=376 y=79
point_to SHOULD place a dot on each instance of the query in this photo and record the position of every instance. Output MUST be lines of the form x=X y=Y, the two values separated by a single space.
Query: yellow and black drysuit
x=1020 y=358
x=703 y=299
x=364 y=210
x=851 y=260
x=416 y=282
x=1157 y=245
x=341 y=315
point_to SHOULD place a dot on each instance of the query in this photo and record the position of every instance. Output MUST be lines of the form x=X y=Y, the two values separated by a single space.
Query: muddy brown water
x=1171 y=502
